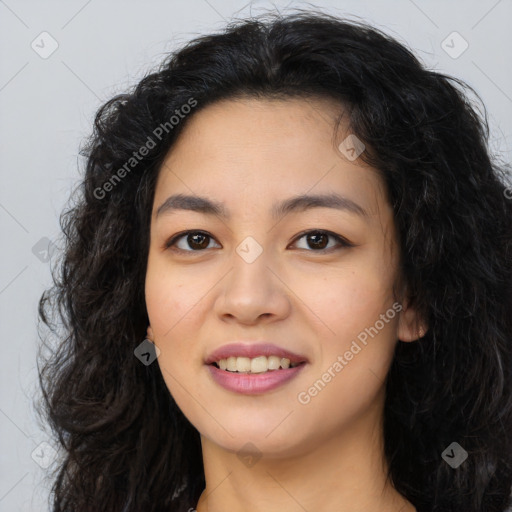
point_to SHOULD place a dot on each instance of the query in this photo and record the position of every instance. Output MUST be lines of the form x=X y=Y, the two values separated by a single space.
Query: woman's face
x=254 y=277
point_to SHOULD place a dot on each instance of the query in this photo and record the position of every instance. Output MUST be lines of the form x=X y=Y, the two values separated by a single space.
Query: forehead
x=257 y=149
x=278 y=123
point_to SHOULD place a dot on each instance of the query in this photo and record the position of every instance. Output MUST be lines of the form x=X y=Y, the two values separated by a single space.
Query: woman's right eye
x=192 y=238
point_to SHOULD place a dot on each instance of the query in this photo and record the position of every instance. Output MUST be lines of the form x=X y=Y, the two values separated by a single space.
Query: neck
x=345 y=472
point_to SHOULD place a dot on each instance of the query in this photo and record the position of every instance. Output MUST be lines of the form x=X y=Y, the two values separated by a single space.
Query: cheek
x=171 y=298
x=176 y=302
x=169 y=305
x=347 y=301
x=354 y=357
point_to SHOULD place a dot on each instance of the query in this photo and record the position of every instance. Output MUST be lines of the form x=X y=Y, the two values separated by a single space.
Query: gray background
x=47 y=106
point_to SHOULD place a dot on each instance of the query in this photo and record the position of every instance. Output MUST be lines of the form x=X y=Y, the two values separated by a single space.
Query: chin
x=261 y=439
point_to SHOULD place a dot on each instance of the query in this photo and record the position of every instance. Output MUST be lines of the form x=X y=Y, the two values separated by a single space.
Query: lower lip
x=253 y=383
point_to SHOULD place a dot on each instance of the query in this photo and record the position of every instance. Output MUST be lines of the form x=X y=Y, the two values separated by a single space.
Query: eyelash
x=343 y=243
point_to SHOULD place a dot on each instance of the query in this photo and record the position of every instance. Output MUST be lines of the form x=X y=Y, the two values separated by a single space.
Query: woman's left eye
x=315 y=238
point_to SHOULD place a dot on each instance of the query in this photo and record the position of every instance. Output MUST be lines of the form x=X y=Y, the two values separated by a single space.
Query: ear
x=150 y=334
x=410 y=326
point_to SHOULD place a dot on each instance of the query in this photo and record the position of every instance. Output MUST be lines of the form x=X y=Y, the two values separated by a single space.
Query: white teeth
x=243 y=364
x=232 y=366
x=273 y=362
x=259 y=364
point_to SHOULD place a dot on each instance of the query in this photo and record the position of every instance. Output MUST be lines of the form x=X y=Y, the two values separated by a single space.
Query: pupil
x=314 y=235
x=195 y=235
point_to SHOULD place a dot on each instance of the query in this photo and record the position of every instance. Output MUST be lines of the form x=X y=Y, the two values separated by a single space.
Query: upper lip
x=252 y=350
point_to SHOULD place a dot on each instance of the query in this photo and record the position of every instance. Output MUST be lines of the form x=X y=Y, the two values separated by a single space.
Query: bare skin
x=316 y=451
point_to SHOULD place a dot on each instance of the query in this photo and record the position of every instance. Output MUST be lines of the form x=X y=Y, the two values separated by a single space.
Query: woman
x=307 y=227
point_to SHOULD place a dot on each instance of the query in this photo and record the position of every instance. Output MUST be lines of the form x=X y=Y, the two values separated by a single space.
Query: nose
x=252 y=291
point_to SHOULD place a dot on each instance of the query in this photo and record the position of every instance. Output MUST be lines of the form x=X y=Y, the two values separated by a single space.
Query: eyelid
x=342 y=241
x=171 y=241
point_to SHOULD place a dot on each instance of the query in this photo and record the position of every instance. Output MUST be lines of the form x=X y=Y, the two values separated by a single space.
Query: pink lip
x=251 y=351
x=253 y=384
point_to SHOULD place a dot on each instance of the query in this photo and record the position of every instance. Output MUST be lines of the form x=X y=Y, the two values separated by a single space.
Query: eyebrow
x=298 y=203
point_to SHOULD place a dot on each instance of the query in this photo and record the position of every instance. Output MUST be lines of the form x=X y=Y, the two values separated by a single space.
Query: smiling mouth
x=260 y=364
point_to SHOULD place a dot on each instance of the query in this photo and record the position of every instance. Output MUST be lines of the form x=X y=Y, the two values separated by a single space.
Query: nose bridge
x=250 y=266
x=252 y=290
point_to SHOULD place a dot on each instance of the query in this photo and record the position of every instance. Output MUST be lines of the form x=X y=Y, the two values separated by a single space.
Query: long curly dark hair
x=125 y=444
